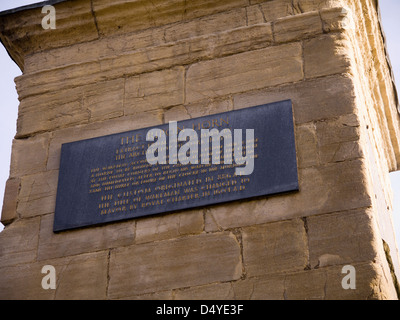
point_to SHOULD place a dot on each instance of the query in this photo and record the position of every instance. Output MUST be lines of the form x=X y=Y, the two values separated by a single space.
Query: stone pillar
x=110 y=67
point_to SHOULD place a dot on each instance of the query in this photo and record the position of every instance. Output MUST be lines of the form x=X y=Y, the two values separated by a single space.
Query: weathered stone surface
x=164 y=295
x=50 y=111
x=297 y=27
x=208 y=25
x=308 y=285
x=144 y=60
x=254 y=15
x=370 y=284
x=75 y=23
x=336 y=19
x=326 y=55
x=343 y=238
x=274 y=248
x=103 y=48
x=169 y=226
x=243 y=72
x=300 y=6
x=340 y=152
x=38 y=194
x=177 y=113
x=19 y=241
x=52 y=245
x=344 y=128
x=164 y=265
x=219 y=291
x=104 y=100
x=139 y=15
x=133 y=54
x=155 y=90
x=324 y=189
x=317 y=284
x=29 y=156
x=339 y=139
x=275 y=9
x=313 y=100
x=70 y=106
x=208 y=107
x=78 y=278
x=326 y=284
x=307 y=150
x=10 y=200
x=271 y=287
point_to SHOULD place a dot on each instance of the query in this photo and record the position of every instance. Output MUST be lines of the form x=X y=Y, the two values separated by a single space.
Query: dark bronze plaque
x=109 y=179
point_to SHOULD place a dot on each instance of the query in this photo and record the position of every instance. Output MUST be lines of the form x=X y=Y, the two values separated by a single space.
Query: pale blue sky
x=9 y=102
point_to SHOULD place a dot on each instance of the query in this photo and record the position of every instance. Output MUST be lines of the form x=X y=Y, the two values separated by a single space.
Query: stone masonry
x=114 y=66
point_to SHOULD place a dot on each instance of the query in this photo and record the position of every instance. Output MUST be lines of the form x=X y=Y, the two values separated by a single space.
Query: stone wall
x=110 y=68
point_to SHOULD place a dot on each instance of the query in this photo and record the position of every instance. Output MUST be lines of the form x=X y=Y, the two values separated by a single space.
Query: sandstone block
x=275 y=248
x=344 y=128
x=19 y=241
x=317 y=284
x=300 y=6
x=327 y=55
x=67 y=106
x=29 y=156
x=271 y=287
x=342 y=238
x=145 y=60
x=75 y=23
x=155 y=90
x=309 y=285
x=339 y=139
x=297 y=27
x=10 y=201
x=371 y=284
x=164 y=295
x=50 y=112
x=170 y=264
x=323 y=189
x=341 y=152
x=38 y=194
x=313 y=100
x=48 y=81
x=80 y=241
x=105 y=100
x=177 y=113
x=78 y=278
x=326 y=284
x=218 y=291
x=232 y=42
x=99 y=49
x=207 y=25
x=254 y=15
x=169 y=226
x=275 y=9
x=242 y=72
x=208 y=107
x=150 y=50
x=336 y=19
x=307 y=150
x=139 y=15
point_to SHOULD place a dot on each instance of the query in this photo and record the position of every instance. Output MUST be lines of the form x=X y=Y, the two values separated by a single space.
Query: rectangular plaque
x=109 y=179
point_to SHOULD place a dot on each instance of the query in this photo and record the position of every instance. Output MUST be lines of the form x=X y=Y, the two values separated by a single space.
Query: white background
x=9 y=102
